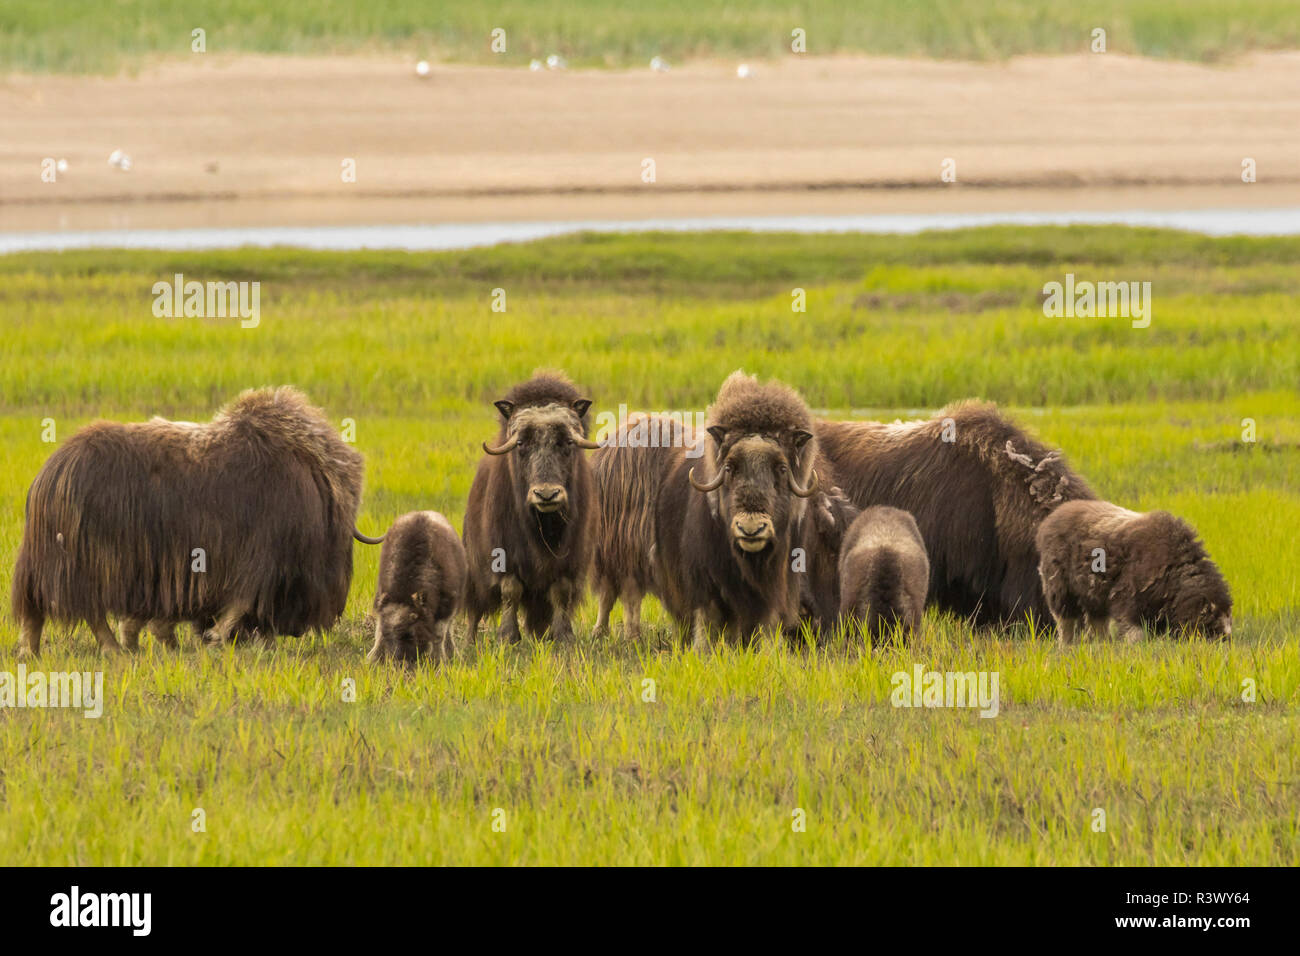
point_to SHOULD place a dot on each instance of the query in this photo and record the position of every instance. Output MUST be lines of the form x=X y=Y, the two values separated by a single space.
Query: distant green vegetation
x=91 y=35
x=560 y=739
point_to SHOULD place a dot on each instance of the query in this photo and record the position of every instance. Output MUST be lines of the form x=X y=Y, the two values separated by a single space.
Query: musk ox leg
x=1131 y=632
x=700 y=632
x=223 y=631
x=444 y=642
x=631 y=598
x=1098 y=627
x=164 y=632
x=104 y=634
x=512 y=589
x=605 y=598
x=128 y=631
x=1067 y=630
x=377 y=649
x=30 y=638
x=561 y=595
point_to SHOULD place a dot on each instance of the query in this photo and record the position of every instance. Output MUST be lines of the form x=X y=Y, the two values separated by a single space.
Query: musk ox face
x=1202 y=603
x=402 y=630
x=545 y=447
x=756 y=486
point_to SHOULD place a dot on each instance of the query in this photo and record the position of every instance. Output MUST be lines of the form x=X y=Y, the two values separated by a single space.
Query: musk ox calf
x=1103 y=563
x=726 y=523
x=421 y=585
x=245 y=522
x=978 y=488
x=529 y=512
x=884 y=573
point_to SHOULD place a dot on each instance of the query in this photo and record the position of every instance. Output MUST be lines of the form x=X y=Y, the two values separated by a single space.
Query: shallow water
x=415 y=238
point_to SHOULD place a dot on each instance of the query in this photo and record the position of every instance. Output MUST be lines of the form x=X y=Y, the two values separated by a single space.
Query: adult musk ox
x=1103 y=563
x=726 y=523
x=245 y=521
x=978 y=487
x=527 y=521
x=421 y=586
x=630 y=469
x=884 y=573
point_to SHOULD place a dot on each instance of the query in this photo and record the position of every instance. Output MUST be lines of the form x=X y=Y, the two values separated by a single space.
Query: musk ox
x=245 y=522
x=726 y=525
x=530 y=508
x=821 y=535
x=978 y=488
x=629 y=474
x=1103 y=563
x=884 y=573
x=421 y=585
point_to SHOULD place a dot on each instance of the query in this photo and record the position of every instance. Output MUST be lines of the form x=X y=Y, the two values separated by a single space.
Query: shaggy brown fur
x=884 y=573
x=628 y=480
x=421 y=585
x=528 y=518
x=978 y=500
x=1101 y=563
x=723 y=557
x=267 y=489
x=826 y=521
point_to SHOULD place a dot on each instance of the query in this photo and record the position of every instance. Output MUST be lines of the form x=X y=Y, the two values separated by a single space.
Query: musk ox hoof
x=26 y=654
x=600 y=632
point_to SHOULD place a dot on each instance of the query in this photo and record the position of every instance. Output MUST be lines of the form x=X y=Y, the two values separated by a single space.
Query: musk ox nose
x=547 y=497
x=751 y=531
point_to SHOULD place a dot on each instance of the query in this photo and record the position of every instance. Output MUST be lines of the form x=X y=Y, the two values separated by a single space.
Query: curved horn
x=804 y=492
x=511 y=442
x=582 y=442
x=711 y=486
x=366 y=539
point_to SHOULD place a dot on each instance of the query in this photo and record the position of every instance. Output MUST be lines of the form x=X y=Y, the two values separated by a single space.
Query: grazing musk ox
x=884 y=573
x=529 y=512
x=1103 y=563
x=724 y=535
x=421 y=586
x=115 y=518
x=978 y=487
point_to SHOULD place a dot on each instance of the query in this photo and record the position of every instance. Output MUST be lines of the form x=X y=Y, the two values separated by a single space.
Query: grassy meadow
x=560 y=745
x=85 y=35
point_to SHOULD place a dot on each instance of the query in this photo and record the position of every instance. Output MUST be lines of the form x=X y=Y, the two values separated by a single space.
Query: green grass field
x=560 y=740
x=85 y=35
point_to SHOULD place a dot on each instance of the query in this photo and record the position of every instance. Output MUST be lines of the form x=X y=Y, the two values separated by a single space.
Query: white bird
x=422 y=68
x=743 y=71
x=659 y=64
x=556 y=62
x=115 y=158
